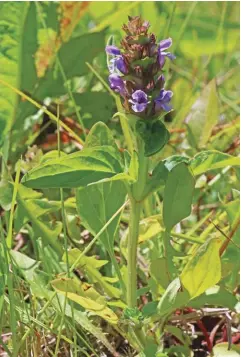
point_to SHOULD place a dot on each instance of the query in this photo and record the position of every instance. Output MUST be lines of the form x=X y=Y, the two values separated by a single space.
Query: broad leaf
x=83 y=49
x=75 y=170
x=100 y=135
x=159 y=272
x=154 y=134
x=211 y=160
x=173 y=298
x=217 y=296
x=25 y=264
x=174 y=160
x=178 y=195
x=6 y=194
x=96 y=204
x=94 y=106
x=158 y=178
x=17 y=21
x=203 y=270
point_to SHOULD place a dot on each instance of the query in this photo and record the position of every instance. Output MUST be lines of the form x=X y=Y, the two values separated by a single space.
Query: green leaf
x=100 y=135
x=203 y=270
x=96 y=204
x=15 y=19
x=25 y=264
x=158 y=178
x=54 y=154
x=60 y=305
x=83 y=49
x=174 y=160
x=154 y=134
x=94 y=106
x=173 y=298
x=48 y=232
x=150 y=349
x=149 y=228
x=86 y=296
x=212 y=160
x=91 y=266
x=29 y=48
x=216 y=296
x=76 y=170
x=6 y=194
x=38 y=208
x=159 y=272
x=178 y=195
x=203 y=116
x=223 y=350
x=179 y=334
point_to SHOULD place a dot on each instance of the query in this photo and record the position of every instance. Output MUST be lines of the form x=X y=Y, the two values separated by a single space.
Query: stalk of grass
x=15 y=191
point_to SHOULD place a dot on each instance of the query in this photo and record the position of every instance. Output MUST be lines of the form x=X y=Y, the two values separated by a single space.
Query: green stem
x=136 y=200
x=132 y=253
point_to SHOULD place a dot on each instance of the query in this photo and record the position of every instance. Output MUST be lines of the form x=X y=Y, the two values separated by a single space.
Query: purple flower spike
x=139 y=101
x=162 y=54
x=163 y=100
x=117 y=84
x=112 y=50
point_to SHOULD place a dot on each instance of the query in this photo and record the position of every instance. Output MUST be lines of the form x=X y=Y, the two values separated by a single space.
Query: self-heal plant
x=136 y=74
x=103 y=176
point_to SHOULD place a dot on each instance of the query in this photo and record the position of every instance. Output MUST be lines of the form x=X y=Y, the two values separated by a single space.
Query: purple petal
x=120 y=64
x=164 y=44
x=170 y=55
x=161 y=59
x=161 y=95
x=139 y=96
x=166 y=107
x=162 y=101
x=112 y=50
x=117 y=84
x=167 y=96
x=139 y=107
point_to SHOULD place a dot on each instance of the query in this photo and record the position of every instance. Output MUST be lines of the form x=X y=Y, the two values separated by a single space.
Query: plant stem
x=132 y=253
x=136 y=200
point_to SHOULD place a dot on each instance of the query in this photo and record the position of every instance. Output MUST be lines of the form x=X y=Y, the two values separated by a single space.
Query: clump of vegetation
x=119 y=184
